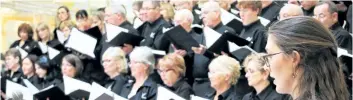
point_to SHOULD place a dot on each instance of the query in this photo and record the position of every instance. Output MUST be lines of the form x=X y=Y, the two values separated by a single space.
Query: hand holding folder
x=181 y=39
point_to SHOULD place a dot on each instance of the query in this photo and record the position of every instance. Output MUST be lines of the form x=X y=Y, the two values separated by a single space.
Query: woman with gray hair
x=115 y=66
x=142 y=65
x=223 y=73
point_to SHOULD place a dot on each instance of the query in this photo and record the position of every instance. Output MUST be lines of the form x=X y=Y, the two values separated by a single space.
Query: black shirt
x=271 y=12
x=30 y=46
x=16 y=77
x=153 y=34
x=269 y=93
x=343 y=38
x=147 y=91
x=255 y=33
x=117 y=83
x=309 y=12
x=230 y=94
x=182 y=88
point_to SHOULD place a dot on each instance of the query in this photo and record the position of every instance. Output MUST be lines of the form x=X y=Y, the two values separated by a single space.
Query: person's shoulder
x=246 y=96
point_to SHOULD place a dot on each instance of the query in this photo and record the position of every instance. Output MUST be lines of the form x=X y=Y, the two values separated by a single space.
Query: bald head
x=211 y=6
x=290 y=10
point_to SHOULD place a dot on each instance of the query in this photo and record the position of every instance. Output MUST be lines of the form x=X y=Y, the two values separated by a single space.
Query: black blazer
x=147 y=91
x=182 y=88
x=116 y=84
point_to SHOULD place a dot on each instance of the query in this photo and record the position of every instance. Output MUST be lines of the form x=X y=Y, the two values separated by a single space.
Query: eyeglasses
x=164 y=71
x=266 y=58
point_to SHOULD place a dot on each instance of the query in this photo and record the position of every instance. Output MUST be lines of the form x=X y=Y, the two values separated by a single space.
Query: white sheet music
x=113 y=31
x=159 y=52
x=165 y=94
x=23 y=52
x=52 y=52
x=13 y=88
x=193 y=97
x=264 y=21
x=233 y=47
x=234 y=11
x=82 y=42
x=60 y=36
x=226 y=17
x=43 y=47
x=197 y=11
x=138 y=22
x=71 y=85
x=341 y=51
x=30 y=86
x=211 y=36
x=97 y=90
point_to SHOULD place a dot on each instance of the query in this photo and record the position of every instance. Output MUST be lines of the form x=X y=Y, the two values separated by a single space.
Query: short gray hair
x=185 y=13
x=118 y=8
x=144 y=54
x=332 y=8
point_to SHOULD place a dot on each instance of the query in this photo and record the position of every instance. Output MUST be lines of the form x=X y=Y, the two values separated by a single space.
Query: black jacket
x=343 y=38
x=230 y=94
x=147 y=91
x=182 y=88
x=256 y=34
x=269 y=93
x=30 y=46
x=153 y=34
x=271 y=12
x=116 y=84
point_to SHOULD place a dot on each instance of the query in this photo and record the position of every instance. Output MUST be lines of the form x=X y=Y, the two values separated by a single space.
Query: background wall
x=15 y=12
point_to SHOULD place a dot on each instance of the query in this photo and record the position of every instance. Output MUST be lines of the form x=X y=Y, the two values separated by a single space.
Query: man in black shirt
x=153 y=31
x=327 y=14
x=116 y=15
x=211 y=14
x=13 y=66
x=253 y=30
x=308 y=6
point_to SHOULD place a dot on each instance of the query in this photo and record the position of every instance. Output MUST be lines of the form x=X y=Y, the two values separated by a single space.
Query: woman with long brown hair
x=302 y=58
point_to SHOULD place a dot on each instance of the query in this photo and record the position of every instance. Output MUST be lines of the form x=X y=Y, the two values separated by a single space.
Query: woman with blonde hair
x=167 y=11
x=172 y=69
x=258 y=78
x=223 y=73
x=115 y=66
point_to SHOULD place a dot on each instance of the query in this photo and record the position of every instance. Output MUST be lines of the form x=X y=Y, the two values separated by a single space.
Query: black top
x=269 y=93
x=182 y=88
x=349 y=18
x=116 y=84
x=309 y=12
x=33 y=79
x=271 y=12
x=230 y=94
x=197 y=19
x=16 y=77
x=255 y=33
x=147 y=91
x=153 y=34
x=343 y=38
x=30 y=46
